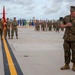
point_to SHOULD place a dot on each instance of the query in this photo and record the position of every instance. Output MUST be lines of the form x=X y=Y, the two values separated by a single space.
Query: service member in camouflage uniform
x=14 y=25
x=37 y=25
x=54 y=25
x=49 y=23
x=1 y=28
x=43 y=25
x=8 y=27
x=69 y=39
x=57 y=26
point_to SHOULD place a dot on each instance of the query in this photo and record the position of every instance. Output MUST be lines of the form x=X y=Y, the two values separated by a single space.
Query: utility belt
x=14 y=27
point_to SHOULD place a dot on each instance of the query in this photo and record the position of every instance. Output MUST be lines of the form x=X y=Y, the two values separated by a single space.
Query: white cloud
x=41 y=9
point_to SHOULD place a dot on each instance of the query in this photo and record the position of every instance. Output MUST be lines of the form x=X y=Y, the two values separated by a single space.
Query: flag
x=4 y=22
x=3 y=17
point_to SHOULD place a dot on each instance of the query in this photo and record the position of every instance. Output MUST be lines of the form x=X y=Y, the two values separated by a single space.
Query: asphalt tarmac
x=37 y=52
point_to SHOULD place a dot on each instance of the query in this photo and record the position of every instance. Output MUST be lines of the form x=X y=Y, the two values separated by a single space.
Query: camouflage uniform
x=43 y=26
x=8 y=27
x=14 y=28
x=69 y=39
x=37 y=26
x=49 y=23
x=57 y=26
x=1 y=28
x=54 y=25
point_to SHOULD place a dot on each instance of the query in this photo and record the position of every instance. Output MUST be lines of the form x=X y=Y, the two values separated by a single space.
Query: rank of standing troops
x=40 y=25
x=48 y=25
x=11 y=28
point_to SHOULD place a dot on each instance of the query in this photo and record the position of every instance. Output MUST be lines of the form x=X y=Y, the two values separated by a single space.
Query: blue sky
x=40 y=9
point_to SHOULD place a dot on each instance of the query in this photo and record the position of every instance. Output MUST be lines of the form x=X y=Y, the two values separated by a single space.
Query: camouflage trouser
x=50 y=28
x=69 y=51
x=43 y=28
x=14 y=30
x=8 y=32
x=57 y=29
x=1 y=32
x=4 y=32
x=37 y=28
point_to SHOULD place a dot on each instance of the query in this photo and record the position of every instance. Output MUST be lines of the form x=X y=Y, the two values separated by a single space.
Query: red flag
x=4 y=20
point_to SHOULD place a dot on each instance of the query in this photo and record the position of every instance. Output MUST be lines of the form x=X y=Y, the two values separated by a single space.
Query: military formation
x=48 y=25
x=9 y=29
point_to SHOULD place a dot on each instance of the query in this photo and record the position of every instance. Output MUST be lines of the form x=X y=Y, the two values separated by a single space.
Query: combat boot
x=16 y=37
x=65 y=67
x=73 y=68
x=12 y=37
x=8 y=37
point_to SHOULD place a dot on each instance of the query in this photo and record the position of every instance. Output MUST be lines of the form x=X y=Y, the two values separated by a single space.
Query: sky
x=40 y=9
